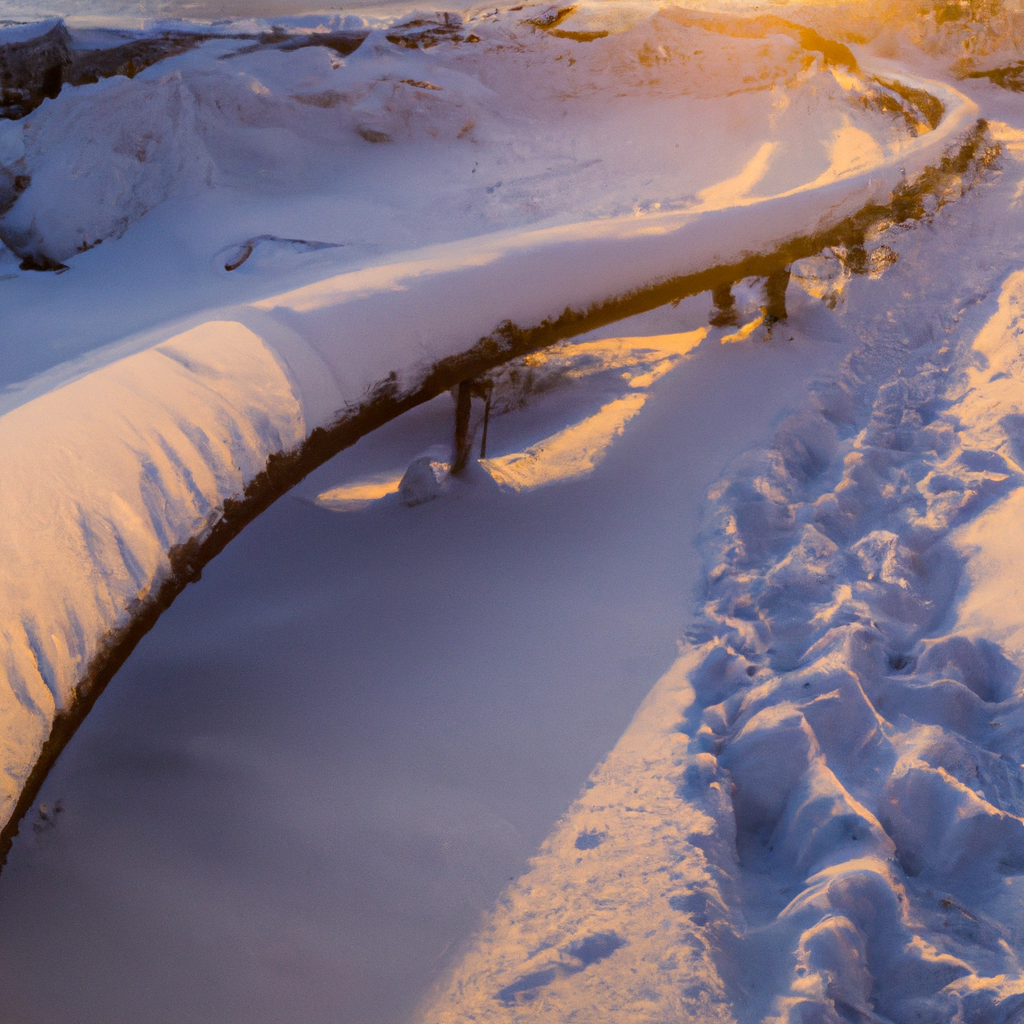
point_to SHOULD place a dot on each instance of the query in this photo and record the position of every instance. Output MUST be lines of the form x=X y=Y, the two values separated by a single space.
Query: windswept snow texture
x=101 y=478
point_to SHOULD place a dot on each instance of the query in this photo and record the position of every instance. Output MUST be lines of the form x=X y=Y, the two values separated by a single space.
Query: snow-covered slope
x=110 y=463
x=818 y=813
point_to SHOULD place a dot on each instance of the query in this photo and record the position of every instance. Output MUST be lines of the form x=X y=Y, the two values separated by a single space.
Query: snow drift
x=115 y=483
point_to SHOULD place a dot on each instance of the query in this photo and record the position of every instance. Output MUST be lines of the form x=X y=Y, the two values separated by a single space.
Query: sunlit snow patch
x=569 y=454
x=851 y=151
x=357 y=495
x=744 y=332
x=725 y=193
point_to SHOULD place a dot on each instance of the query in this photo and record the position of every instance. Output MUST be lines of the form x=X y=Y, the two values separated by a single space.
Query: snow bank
x=531 y=275
x=818 y=815
x=101 y=479
x=532 y=107
x=113 y=151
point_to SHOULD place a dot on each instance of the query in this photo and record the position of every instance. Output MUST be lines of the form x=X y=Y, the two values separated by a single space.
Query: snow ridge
x=118 y=468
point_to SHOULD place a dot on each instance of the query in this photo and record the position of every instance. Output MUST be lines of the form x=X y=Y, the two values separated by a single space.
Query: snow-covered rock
x=423 y=481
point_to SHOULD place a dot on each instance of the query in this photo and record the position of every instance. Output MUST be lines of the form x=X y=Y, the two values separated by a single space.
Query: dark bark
x=463 y=408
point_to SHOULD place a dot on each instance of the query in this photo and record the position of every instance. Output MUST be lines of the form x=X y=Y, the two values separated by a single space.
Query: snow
x=113 y=151
x=343 y=334
x=24 y=33
x=102 y=477
x=818 y=812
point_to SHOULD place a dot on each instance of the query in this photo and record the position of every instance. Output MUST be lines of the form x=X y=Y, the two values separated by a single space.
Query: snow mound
x=100 y=157
x=118 y=468
x=508 y=115
x=423 y=481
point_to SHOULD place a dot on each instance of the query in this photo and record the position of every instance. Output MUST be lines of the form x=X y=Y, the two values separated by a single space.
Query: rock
x=131 y=57
x=34 y=64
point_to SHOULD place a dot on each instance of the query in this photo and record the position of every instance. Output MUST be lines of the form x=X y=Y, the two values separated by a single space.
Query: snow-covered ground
x=245 y=145
x=817 y=814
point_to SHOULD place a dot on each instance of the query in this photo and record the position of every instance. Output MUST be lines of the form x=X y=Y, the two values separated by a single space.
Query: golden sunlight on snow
x=577 y=449
x=852 y=150
x=356 y=495
x=588 y=936
x=725 y=193
x=991 y=603
x=568 y=455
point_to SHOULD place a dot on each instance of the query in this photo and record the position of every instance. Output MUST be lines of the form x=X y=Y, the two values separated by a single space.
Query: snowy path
x=116 y=486
x=330 y=756
x=818 y=813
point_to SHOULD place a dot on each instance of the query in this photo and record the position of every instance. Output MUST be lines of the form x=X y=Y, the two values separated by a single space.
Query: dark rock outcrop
x=130 y=57
x=33 y=69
